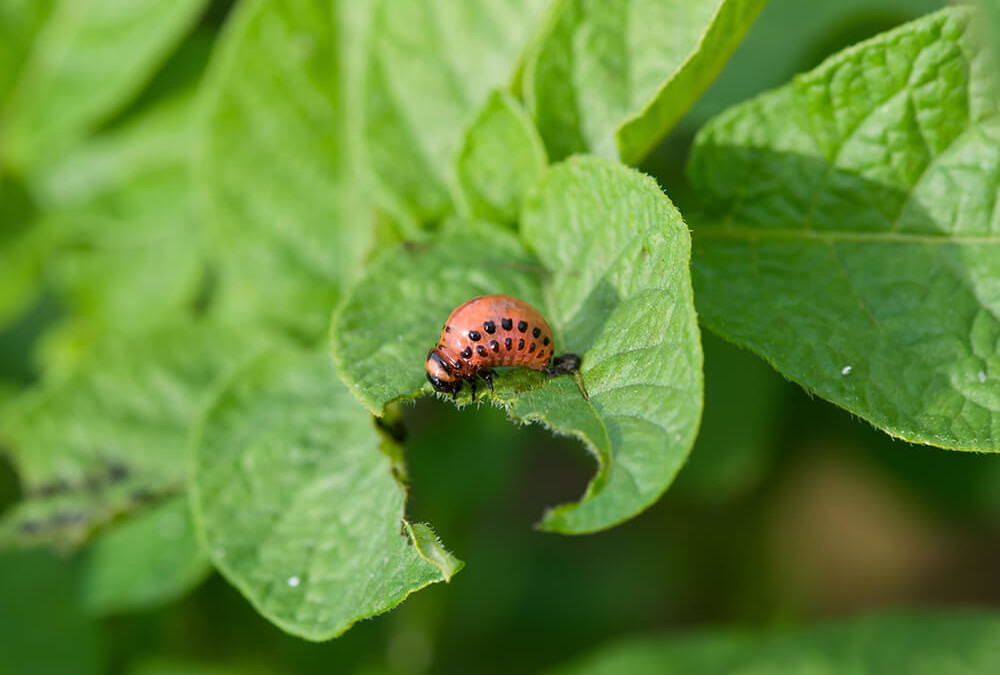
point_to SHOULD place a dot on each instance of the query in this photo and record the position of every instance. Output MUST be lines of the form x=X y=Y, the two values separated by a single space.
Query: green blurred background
x=789 y=510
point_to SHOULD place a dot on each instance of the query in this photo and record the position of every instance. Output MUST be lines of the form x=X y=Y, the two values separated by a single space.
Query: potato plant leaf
x=947 y=643
x=85 y=61
x=110 y=438
x=277 y=163
x=851 y=235
x=126 y=246
x=611 y=77
x=430 y=67
x=612 y=278
x=146 y=561
x=501 y=157
x=298 y=507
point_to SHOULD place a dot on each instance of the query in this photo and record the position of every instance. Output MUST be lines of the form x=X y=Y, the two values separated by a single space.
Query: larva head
x=440 y=375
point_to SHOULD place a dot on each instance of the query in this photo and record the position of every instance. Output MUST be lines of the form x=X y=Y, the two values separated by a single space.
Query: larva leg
x=487 y=375
x=472 y=384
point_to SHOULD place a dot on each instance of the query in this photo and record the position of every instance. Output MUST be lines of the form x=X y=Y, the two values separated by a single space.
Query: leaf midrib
x=743 y=232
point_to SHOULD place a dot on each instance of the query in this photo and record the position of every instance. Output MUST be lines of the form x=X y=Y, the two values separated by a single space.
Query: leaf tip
x=430 y=548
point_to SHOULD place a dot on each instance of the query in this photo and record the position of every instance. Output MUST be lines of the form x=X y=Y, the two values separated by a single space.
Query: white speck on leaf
x=982 y=377
x=293 y=581
x=846 y=370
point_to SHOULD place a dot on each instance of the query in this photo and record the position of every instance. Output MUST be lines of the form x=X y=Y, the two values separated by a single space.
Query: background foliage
x=189 y=190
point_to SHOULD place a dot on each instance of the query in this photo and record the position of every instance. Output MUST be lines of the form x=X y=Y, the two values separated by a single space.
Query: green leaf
x=502 y=157
x=394 y=314
x=177 y=666
x=612 y=77
x=146 y=561
x=88 y=58
x=851 y=237
x=20 y=21
x=42 y=631
x=950 y=643
x=614 y=257
x=430 y=68
x=297 y=506
x=278 y=163
x=23 y=246
x=110 y=437
x=620 y=293
x=119 y=208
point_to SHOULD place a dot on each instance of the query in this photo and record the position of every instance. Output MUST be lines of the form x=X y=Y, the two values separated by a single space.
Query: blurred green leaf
x=278 y=167
x=119 y=208
x=20 y=21
x=86 y=60
x=23 y=247
x=850 y=238
x=951 y=643
x=41 y=629
x=430 y=68
x=501 y=158
x=614 y=257
x=613 y=77
x=173 y=666
x=146 y=561
x=110 y=437
x=297 y=506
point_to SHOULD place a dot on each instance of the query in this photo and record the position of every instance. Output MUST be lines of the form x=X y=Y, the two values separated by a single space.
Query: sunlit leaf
x=851 y=236
x=613 y=263
x=298 y=507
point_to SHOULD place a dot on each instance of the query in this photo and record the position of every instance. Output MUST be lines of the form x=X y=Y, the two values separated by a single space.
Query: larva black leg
x=472 y=383
x=561 y=365
x=488 y=376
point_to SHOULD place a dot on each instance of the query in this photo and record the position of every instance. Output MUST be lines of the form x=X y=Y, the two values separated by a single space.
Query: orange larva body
x=492 y=331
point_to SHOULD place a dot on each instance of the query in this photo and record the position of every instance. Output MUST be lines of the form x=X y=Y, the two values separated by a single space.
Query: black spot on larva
x=535 y=332
x=481 y=350
x=458 y=365
x=507 y=324
x=532 y=348
x=507 y=343
x=467 y=352
x=520 y=344
x=522 y=326
x=546 y=341
x=489 y=327
x=474 y=335
x=494 y=345
x=447 y=329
